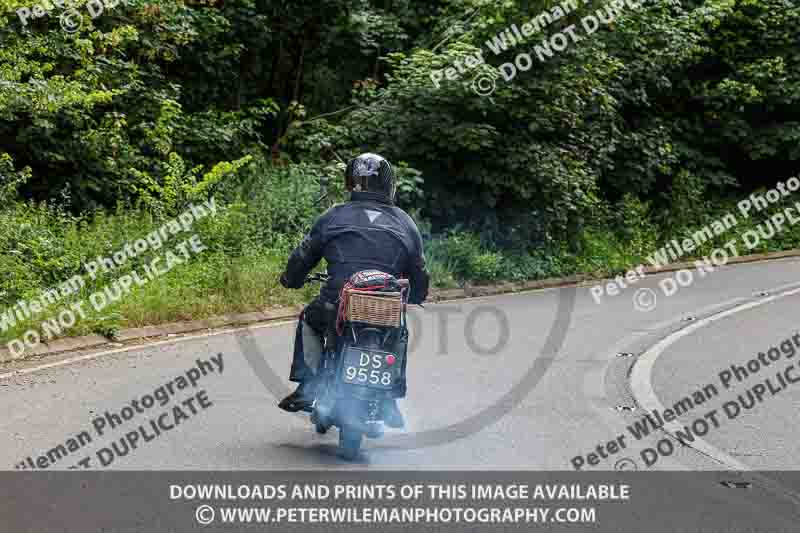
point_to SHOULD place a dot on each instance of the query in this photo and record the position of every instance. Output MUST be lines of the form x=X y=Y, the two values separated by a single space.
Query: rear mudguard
x=354 y=406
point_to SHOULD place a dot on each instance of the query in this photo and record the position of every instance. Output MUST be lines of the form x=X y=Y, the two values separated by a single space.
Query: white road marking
x=645 y=396
x=281 y=322
x=87 y=357
x=188 y=337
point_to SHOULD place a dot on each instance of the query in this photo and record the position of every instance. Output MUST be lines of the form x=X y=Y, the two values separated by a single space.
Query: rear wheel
x=349 y=443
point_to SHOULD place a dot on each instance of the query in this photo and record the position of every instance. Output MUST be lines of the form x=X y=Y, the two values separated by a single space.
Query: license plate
x=371 y=368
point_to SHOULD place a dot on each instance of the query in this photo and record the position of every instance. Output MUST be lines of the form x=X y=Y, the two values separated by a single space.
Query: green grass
x=41 y=246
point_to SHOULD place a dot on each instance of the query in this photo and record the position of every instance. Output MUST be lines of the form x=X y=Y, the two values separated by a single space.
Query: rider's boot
x=301 y=398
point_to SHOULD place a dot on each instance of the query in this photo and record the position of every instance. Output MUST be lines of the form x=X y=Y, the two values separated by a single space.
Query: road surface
x=547 y=380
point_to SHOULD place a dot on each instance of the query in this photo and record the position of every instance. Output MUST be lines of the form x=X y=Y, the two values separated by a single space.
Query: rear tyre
x=349 y=443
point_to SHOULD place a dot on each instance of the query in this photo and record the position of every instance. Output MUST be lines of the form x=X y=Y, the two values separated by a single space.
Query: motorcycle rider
x=368 y=232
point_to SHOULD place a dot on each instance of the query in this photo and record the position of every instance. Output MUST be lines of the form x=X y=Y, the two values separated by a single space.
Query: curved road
x=454 y=375
x=466 y=407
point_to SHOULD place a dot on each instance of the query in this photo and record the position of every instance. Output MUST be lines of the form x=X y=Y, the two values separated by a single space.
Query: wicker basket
x=377 y=308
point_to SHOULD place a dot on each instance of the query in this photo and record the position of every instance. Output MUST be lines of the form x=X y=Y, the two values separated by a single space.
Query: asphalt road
x=531 y=381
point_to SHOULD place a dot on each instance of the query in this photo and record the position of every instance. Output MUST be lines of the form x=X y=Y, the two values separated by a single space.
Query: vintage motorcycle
x=364 y=358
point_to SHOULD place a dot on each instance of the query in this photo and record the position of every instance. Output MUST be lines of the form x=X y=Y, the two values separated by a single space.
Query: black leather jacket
x=365 y=233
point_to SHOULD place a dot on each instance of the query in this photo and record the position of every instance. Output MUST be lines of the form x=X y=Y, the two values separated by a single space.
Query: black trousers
x=319 y=319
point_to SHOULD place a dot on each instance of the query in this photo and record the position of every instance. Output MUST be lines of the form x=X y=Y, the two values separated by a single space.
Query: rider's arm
x=417 y=271
x=305 y=257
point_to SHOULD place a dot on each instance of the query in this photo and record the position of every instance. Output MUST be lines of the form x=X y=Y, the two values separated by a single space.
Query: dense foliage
x=584 y=161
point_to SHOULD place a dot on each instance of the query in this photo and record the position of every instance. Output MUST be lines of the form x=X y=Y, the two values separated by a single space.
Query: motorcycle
x=363 y=363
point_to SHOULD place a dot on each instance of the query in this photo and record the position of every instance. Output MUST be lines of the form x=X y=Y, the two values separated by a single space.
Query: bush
x=466 y=258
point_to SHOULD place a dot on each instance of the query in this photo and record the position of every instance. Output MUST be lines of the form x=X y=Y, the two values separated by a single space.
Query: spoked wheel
x=349 y=443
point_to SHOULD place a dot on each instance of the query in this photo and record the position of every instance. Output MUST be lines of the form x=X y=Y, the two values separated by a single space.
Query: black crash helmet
x=371 y=173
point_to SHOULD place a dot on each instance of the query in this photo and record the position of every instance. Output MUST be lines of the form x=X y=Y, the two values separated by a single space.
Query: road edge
x=173 y=329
